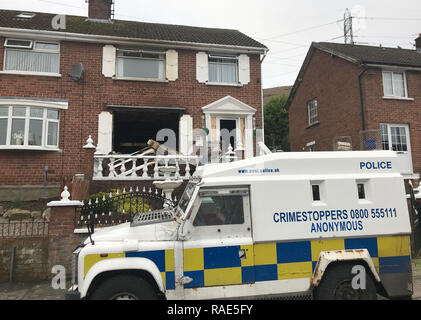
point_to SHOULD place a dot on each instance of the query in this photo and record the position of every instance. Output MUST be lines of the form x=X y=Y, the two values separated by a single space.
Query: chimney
x=100 y=9
x=418 y=43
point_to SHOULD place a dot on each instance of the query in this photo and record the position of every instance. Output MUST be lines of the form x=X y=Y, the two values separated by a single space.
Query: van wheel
x=336 y=284
x=124 y=287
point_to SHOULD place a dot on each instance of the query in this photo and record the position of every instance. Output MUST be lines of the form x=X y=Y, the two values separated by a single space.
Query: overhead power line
x=62 y=4
x=303 y=30
x=388 y=18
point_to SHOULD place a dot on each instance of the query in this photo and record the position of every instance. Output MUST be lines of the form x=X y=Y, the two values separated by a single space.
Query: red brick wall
x=90 y=97
x=100 y=9
x=381 y=110
x=334 y=83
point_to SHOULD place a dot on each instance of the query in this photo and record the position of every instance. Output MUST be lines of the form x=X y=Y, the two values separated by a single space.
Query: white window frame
x=311 y=119
x=389 y=136
x=163 y=53
x=222 y=56
x=8 y=47
x=45 y=124
x=228 y=230
x=393 y=95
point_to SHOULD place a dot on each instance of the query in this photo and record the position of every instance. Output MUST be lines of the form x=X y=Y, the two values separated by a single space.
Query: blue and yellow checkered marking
x=286 y=260
x=216 y=266
x=282 y=260
x=164 y=260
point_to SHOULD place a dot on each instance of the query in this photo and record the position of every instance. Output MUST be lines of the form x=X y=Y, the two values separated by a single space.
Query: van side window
x=220 y=210
x=361 y=191
x=316 y=192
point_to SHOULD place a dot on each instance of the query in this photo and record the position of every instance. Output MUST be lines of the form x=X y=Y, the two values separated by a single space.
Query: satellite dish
x=77 y=72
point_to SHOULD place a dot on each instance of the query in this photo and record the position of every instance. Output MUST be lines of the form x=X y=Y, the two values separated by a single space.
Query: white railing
x=141 y=167
x=147 y=167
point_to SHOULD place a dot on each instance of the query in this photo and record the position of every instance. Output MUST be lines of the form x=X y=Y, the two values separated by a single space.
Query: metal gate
x=118 y=207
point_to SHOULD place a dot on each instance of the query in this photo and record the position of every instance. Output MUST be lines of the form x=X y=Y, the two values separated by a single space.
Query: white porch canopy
x=229 y=108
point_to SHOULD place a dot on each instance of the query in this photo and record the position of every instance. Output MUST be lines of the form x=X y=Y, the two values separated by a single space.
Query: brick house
x=370 y=97
x=64 y=79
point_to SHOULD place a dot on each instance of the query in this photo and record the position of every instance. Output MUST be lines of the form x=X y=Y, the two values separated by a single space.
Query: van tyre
x=336 y=284
x=125 y=287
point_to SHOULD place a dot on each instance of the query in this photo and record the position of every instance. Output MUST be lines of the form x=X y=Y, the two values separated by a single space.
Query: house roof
x=360 y=55
x=373 y=55
x=131 y=29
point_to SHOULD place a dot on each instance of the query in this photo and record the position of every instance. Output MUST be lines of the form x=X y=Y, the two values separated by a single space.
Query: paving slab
x=30 y=291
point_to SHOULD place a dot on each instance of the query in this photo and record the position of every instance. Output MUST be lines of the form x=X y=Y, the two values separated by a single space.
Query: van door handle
x=242 y=254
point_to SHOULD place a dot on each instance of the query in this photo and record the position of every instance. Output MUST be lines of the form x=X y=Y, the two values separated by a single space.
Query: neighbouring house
x=275 y=92
x=355 y=97
x=65 y=78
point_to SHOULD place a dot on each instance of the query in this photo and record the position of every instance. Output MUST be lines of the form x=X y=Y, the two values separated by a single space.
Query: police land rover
x=285 y=224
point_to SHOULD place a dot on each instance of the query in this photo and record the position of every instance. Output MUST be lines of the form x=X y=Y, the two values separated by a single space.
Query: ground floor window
x=395 y=137
x=29 y=127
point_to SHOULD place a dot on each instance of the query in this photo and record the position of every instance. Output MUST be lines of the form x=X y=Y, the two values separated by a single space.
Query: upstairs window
x=140 y=64
x=223 y=69
x=24 y=127
x=313 y=117
x=394 y=84
x=31 y=56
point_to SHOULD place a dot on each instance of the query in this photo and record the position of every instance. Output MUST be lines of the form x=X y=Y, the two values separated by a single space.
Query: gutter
x=262 y=99
x=80 y=37
x=361 y=96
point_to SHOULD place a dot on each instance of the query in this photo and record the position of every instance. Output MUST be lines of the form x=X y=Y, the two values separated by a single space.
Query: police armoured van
x=323 y=225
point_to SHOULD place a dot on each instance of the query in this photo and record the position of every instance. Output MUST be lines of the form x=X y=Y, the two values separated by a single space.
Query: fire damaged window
x=140 y=64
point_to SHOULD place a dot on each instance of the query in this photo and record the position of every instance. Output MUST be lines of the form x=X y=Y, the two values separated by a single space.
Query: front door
x=227 y=134
x=220 y=252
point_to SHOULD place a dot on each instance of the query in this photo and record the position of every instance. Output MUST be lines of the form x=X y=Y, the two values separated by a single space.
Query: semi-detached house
x=64 y=79
x=358 y=97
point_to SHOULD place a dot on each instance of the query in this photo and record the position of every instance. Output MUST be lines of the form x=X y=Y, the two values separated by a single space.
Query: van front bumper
x=72 y=294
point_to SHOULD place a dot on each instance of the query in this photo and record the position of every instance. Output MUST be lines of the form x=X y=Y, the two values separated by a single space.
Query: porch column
x=105 y=132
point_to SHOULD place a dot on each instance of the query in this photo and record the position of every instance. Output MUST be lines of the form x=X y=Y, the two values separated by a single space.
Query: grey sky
x=287 y=27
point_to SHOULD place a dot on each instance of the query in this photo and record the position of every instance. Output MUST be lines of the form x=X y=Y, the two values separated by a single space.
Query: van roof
x=304 y=163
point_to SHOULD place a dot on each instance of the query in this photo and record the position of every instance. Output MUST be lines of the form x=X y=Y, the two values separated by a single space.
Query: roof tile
x=374 y=55
x=132 y=29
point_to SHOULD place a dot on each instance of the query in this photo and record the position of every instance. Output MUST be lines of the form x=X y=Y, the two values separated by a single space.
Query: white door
x=219 y=255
